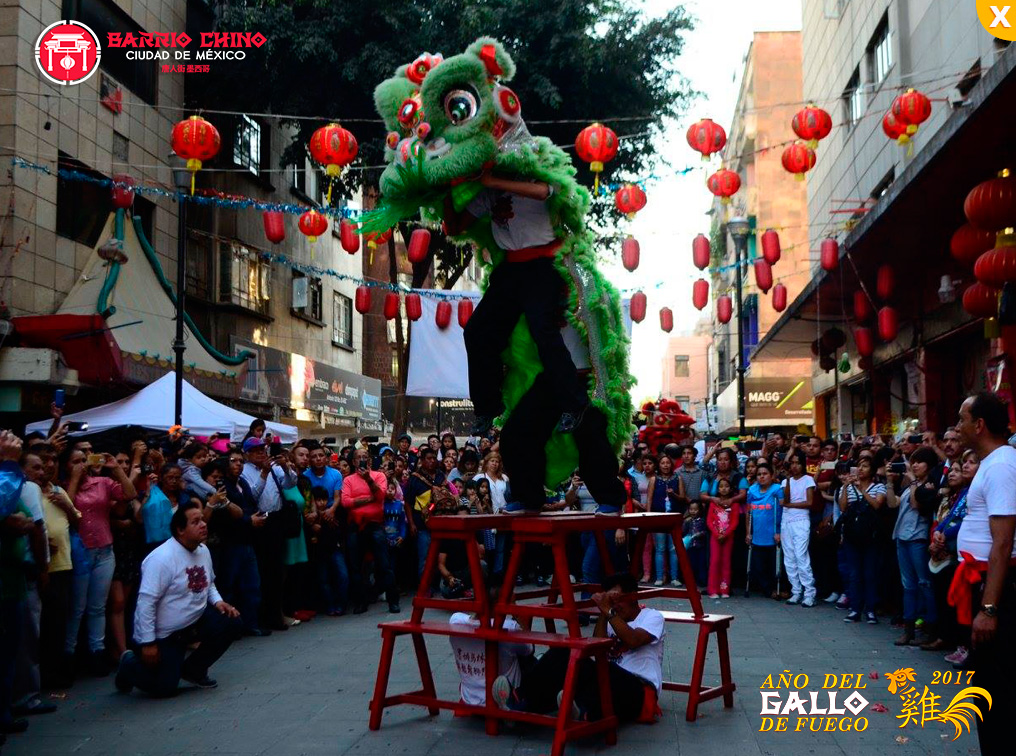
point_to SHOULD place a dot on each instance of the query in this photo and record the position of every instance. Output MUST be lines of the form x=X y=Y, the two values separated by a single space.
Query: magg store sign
x=779 y=401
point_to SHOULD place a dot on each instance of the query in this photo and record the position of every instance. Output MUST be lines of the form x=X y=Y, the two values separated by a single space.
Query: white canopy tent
x=153 y=407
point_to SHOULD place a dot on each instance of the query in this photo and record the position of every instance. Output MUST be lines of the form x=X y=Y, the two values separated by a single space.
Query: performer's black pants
x=525 y=435
x=994 y=666
x=534 y=289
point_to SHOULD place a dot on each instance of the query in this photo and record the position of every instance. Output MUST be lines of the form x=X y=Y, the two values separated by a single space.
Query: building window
x=244 y=277
x=342 y=320
x=880 y=52
x=681 y=366
x=121 y=149
x=250 y=380
x=854 y=99
x=81 y=206
x=684 y=401
x=103 y=17
x=883 y=186
x=247 y=144
x=970 y=79
x=304 y=180
x=307 y=296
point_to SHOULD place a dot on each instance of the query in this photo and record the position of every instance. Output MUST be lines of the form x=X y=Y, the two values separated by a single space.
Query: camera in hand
x=898 y=467
x=275 y=449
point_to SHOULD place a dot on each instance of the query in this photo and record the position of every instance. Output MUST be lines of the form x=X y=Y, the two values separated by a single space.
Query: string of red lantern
x=724 y=184
x=829 y=254
x=779 y=297
x=798 y=159
x=700 y=251
x=630 y=253
x=313 y=224
x=195 y=140
x=700 y=294
x=666 y=319
x=706 y=137
x=771 y=246
x=629 y=199
x=763 y=275
x=724 y=308
x=275 y=226
x=811 y=124
x=333 y=147
x=596 y=144
x=637 y=307
x=348 y=237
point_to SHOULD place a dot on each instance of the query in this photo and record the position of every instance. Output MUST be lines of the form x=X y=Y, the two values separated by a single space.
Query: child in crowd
x=695 y=542
x=764 y=512
x=395 y=526
x=721 y=521
x=325 y=542
x=795 y=530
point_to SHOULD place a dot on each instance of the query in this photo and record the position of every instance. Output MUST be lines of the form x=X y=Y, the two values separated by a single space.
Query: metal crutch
x=778 y=571
x=747 y=576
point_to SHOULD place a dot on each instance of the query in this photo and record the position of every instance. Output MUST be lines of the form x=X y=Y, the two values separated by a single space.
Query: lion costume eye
x=460 y=106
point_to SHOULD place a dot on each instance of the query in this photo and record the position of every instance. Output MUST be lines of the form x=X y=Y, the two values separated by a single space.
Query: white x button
x=1000 y=19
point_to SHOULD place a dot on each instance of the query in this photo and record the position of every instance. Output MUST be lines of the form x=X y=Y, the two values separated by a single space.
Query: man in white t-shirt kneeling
x=636 y=661
x=470 y=654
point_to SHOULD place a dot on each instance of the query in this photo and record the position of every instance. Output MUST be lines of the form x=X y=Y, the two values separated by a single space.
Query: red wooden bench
x=565 y=728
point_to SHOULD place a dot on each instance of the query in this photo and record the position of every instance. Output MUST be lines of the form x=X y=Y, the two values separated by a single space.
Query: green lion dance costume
x=460 y=152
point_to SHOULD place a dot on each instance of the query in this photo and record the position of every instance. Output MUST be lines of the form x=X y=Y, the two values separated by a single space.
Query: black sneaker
x=394 y=608
x=202 y=682
x=122 y=683
x=870 y=618
x=360 y=609
x=853 y=617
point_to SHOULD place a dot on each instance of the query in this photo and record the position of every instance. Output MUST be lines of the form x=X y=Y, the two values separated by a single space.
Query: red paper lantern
x=981 y=300
x=348 y=236
x=630 y=253
x=798 y=158
x=968 y=243
x=362 y=301
x=997 y=267
x=893 y=129
x=637 y=307
x=375 y=239
x=313 y=224
x=122 y=191
x=771 y=246
x=419 y=244
x=596 y=145
x=763 y=275
x=700 y=294
x=333 y=147
x=885 y=281
x=465 y=311
x=275 y=225
x=911 y=109
x=862 y=306
x=195 y=140
x=706 y=137
x=414 y=307
x=391 y=308
x=991 y=205
x=811 y=124
x=666 y=319
x=700 y=251
x=779 y=297
x=724 y=184
x=724 y=308
x=830 y=254
x=629 y=199
x=833 y=339
x=865 y=341
x=888 y=324
x=443 y=314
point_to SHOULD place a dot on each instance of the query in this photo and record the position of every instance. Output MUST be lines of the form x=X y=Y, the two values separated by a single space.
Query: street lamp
x=181 y=179
x=739 y=230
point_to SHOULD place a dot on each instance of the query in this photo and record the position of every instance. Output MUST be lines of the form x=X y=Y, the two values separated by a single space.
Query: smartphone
x=92 y=460
x=898 y=467
x=76 y=427
x=827 y=466
x=914 y=438
x=328 y=441
x=362 y=465
x=801 y=439
x=853 y=471
x=275 y=449
x=58 y=397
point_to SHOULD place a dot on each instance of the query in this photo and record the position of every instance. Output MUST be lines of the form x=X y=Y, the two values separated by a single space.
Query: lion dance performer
x=459 y=152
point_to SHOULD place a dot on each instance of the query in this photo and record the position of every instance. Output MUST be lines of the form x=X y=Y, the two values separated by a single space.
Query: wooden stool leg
x=725 y=679
x=687 y=573
x=479 y=584
x=561 y=575
x=698 y=666
x=636 y=558
x=384 y=668
x=606 y=697
x=427 y=578
x=508 y=586
x=606 y=563
x=423 y=661
x=567 y=696
x=490 y=672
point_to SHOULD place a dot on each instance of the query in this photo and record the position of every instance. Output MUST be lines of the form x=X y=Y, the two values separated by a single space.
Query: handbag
x=288 y=516
x=438 y=500
x=859 y=523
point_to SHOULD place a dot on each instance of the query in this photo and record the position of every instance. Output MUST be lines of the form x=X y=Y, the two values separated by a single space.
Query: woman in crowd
x=449 y=464
x=915 y=505
x=95 y=496
x=944 y=559
x=497 y=480
x=663 y=497
x=646 y=473
x=859 y=499
x=164 y=496
x=126 y=527
x=447 y=444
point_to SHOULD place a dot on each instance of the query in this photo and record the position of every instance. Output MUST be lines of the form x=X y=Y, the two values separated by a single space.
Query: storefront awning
x=912 y=223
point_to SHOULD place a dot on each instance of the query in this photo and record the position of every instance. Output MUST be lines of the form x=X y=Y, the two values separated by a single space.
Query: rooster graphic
x=923 y=706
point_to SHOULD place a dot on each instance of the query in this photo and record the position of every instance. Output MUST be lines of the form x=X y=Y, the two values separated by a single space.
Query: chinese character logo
x=197 y=580
x=924 y=706
x=67 y=52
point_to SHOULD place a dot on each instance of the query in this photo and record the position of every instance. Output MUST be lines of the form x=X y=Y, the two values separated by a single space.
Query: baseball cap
x=252 y=443
x=405 y=436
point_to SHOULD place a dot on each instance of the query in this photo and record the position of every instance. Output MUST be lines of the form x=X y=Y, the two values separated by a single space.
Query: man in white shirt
x=636 y=661
x=984 y=586
x=178 y=605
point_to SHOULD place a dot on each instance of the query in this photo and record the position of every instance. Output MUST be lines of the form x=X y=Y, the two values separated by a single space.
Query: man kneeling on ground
x=178 y=605
x=636 y=661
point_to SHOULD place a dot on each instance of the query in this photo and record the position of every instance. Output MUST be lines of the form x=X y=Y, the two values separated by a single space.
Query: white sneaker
x=808 y=602
x=576 y=713
x=676 y=583
x=794 y=600
x=714 y=595
x=832 y=598
x=658 y=583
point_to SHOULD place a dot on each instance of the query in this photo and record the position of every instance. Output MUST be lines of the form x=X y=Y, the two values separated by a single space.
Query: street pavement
x=306 y=692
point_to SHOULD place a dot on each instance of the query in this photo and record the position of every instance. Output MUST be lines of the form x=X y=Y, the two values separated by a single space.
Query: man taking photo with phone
x=363 y=496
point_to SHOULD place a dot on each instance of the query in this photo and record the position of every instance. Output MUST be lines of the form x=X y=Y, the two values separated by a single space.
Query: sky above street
x=712 y=61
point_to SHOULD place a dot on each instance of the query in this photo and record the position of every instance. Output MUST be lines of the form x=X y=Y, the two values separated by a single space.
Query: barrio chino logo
x=998 y=19
x=67 y=52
